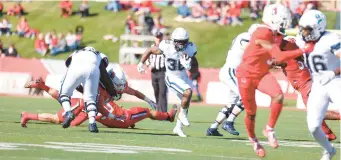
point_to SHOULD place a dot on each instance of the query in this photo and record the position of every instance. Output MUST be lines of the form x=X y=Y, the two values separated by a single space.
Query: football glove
x=117 y=97
x=185 y=61
x=140 y=68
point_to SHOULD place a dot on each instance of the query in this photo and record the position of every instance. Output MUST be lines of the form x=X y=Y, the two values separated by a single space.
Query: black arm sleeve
x=106 y=81
x=194 y=66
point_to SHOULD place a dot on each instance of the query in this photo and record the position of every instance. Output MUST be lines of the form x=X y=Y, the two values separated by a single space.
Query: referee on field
x=158 y=69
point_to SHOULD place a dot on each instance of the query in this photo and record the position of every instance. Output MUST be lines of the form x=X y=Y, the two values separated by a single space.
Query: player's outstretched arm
x=148 y=52
x=145 y=56
x=276 y=53
x=139 y=95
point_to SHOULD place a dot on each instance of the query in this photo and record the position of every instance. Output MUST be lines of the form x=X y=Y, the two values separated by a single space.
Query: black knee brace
x=64 y=98
x=228 y=110
x=88 y=104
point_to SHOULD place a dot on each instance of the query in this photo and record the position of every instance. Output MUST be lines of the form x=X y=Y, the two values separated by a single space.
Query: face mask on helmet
x=180 y=44
x=308 y=33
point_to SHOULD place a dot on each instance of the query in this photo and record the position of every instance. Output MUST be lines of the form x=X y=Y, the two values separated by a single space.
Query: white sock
x=215 y=125
x=269 y=128
x=91 y=116
x=66 y=106
x=321 y=138
x=178 y=124
x=184 y=111
x=231 y=117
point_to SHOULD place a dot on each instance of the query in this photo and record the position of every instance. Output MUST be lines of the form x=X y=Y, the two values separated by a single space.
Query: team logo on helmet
x=274 y=11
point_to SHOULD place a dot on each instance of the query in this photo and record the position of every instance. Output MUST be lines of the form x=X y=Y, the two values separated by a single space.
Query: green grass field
x=212 y=40
x=150 y=139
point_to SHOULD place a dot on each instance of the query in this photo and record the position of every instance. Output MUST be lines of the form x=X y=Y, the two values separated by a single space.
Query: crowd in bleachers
x=229 y=12
x=144 y=19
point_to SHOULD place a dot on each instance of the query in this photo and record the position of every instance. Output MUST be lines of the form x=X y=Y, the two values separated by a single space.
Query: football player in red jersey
x=123 y=118
x=253 y=72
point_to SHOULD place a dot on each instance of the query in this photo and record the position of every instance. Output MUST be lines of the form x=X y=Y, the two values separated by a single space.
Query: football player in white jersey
x=87 y=67
x=227 y=75
x=324 y=64
x=178 y=53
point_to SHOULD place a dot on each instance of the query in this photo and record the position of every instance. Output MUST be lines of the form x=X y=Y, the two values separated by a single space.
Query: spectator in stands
x=71 y=41
x=198 y=10
x=234 y=14
x=5 y=27
x=11 y=51
x=53 y=40
x=66 y=8
x=1 y=9
x=84 y=9
x=183 y=10
x=113 y=5
x=130 y=25
x=16 y=10
x=2 y=49
x=297 y=14
x=40 y=45
x=213 y=13
x=60 y=47
x=148 y=22
x=158 y=25
x=23 y=29
x=224 y=16
x=136 y=5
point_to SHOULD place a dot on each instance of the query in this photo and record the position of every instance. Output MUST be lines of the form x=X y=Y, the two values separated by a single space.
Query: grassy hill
x=212 y=40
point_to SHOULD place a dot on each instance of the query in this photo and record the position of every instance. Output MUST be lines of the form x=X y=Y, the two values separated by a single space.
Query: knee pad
x=227 y=111
x=240 y=105
x=64 y=98
x=90 y=106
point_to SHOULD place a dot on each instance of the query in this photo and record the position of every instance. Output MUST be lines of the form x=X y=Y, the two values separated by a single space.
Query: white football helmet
x=118 y=78
x=91 y=49
x=180 y=38
x=315 y=21
x=277 y=17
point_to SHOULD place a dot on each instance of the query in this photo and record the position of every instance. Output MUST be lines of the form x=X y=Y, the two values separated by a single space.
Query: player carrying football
x=253 y=72
x=178 y=53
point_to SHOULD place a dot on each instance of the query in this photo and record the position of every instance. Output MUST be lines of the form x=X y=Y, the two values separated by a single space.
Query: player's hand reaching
x=326 y=76
x=152 y=104
x=308 y=47
x=140 y=68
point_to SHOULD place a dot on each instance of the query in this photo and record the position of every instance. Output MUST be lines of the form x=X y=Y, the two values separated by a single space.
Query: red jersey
x=295 y=70
x=256 y=60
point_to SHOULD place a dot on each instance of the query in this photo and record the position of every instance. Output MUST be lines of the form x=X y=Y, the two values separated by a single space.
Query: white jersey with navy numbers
x=323 y=57
x=172 y=57
x=235 y=54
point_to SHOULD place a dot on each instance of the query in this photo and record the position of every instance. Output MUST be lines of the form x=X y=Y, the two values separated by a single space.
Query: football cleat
x=328 y=155
x=179 y=132
x=258 y=148
x=183 y=118
x=68 y=117
x=38 y=83
x=172 y=113
x=93 y=128
x=270 y=134
x=229 y=127
x=213 y=132
x=23 y=120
